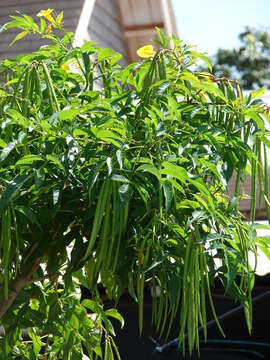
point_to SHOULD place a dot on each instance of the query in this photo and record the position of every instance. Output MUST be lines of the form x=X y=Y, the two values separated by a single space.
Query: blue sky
x=211 y=24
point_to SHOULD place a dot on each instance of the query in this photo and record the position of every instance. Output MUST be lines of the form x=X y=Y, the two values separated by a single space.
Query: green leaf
x=55 y=161
x=12 y=191
x=119 y=178
x=200 y=185
x=90 y=304
x=74 y=322
x=42 y=25
x=233 y=203
x=59 y=18
x=149 y=168
x=2 y=143
x=56 y=195
x=109 y=165
x=39 y=176
x=125 y=193
x=108 y=326
x=28 y=160
x=119 y=158
x=29 y=214
x=131 y=286
x=37 y=343
x=68 y=114
x=161 y=35
x=105 y=53
x=176 y=185
x=108 y=136
x=7 y=150
x=175 y=171
x=19 y=37
x=257 y=93
x=79 y=132
x=202 y=57
x=257 y=119
x=93 y=176
x=232 y=265
x=97 y=349
x=89 y=46
x=159 y=260
x=115 y=314
x=168 y=193
x=161 y=87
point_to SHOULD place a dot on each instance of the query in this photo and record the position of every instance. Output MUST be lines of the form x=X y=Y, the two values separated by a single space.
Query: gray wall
x=105 y=27
x=71 y=8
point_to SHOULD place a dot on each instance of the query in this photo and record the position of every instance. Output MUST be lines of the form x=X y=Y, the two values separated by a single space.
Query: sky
x=213 y=24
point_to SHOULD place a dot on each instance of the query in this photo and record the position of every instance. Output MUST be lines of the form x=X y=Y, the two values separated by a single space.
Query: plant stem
x=17 y=285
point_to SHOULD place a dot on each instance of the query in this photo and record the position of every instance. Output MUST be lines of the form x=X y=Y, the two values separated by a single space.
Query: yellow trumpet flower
x=65 y=67
x=49 y=29
x=146 y=51
x=47 y=15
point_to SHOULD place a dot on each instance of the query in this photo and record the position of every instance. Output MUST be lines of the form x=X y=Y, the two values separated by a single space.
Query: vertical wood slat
x=156 y=15
x=142 y=12
x=127 y=13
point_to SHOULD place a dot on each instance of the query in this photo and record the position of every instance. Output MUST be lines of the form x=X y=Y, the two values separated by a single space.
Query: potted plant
x=119 y=176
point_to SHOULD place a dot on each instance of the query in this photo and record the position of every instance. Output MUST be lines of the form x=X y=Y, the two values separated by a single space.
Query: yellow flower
x=47 y=15
x=49 y=29
x=65 y=67
x=73 y=66
x=146 y=51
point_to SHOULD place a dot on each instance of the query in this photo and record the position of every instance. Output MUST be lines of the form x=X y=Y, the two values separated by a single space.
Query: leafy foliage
x=119 y=177
x=250 y=62
x=58 y=324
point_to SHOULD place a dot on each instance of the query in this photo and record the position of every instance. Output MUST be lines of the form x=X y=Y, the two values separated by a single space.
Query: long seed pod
x=6 y=245
x=204 y=269
x=160 y=303
x=52 y=96
x=17 y=86
x=119 y=238
x=98 y=216
x=202 y=297
x=102 y=252
x=160 y=68
x=108 y=258
x=154 y=303
x=266 y=183
x=115 y=350
x=31 y=84
x=26 y=86
x=165 y=312
x=191 y=302
x=253 y=186
x=17 y=239
x=140 y=295
x=90 y=272
x=184 y=305
x=38 y=92
x=173 y=310
x=197 y=292
x=260 y=172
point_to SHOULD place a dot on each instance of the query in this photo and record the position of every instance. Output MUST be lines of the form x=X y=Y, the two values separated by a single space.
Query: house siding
x=105 y=27
x=72 y=11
